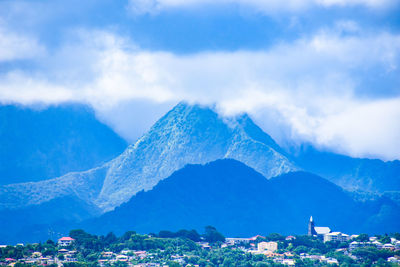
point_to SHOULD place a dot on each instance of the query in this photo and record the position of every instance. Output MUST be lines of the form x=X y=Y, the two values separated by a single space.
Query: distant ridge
x=355 y=174
x=39 y=144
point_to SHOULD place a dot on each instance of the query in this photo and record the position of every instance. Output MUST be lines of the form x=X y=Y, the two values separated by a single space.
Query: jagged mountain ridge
x=188 y=134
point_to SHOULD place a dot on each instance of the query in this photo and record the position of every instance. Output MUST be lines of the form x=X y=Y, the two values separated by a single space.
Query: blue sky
x=318 y=71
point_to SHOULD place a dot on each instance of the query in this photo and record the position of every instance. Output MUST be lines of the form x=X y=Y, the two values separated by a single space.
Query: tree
x=372 y=254
x=173 y=264
x=74 y=264
x=49 y=252
x=166 y=234
x=301 y=249
x=385 y=239
x=120 y=264
x=275 y=237
x=50 y=242
x=362 y=238
x=192 y=234
x=110 y=238
x=212 y=235
x=127 y=235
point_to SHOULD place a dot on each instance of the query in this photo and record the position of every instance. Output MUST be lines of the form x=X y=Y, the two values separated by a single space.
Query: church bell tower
x=311 y=230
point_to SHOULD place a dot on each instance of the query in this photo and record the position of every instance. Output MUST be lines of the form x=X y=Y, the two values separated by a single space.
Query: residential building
x=388 y=246
x=269 y=246
x=65 y=241
x=290 y=237
x=397 y=245
x=336 y=236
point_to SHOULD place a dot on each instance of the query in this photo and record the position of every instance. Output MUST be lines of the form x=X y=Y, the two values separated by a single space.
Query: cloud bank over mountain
x=336 y=87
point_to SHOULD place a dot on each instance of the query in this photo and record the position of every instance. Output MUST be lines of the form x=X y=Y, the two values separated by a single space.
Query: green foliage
x=12 y=252
x=192 y=234
x=127 y=235
x=301 y=249
x=120 y=264
x=173 y=264
x=384 y=239
x=372 y=253
x=362 y=238
x=275 y=237
x=262 y=264
x=49 y=252
x=75 y=264
x=212 y=235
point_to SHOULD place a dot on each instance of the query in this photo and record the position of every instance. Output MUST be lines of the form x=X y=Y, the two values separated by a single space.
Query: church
x=317 y=230
x=325 y=233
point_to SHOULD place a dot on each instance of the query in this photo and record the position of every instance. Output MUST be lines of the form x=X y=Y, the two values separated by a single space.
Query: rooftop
x=66 y=238
x=322 y=230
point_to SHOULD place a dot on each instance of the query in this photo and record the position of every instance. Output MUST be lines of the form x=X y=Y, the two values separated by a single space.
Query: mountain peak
x=189 y=134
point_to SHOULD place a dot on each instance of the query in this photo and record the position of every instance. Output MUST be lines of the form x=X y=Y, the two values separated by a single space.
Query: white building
x=388 y=246
x=270 y=246
x=65 y=241
x=336 y=236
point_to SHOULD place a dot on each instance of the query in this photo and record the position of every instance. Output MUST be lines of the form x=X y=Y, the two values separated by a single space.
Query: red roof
x=66 y=238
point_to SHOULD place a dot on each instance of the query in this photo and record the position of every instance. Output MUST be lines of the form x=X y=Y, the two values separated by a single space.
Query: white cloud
x=310 y=86
x=139 y=7
x=15 y=46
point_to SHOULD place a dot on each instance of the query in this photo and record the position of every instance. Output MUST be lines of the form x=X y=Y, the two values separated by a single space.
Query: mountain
x=192 y=134
x=239 y=201
x=355 y=174
x=38 y=144
x=188 y=134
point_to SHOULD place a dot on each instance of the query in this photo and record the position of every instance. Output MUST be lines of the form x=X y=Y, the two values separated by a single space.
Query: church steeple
x=311 y=230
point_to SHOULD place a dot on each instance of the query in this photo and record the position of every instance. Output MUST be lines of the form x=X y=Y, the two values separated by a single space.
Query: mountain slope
x=39 y=223
x=371 y=175
x=42 y=144
x=241 y=202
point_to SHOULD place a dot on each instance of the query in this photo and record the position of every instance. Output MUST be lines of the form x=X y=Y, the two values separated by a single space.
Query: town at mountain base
x=209 y=248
